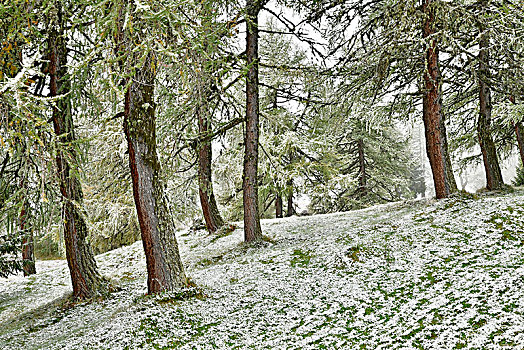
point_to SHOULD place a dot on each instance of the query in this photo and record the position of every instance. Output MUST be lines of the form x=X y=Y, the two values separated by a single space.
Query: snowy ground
x=416 y=275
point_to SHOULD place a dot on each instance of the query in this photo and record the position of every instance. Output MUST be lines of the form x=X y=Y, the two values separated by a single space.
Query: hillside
x=420 y=274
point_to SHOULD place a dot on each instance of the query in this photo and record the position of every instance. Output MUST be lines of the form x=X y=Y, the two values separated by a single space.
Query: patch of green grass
x=429 y=277
x=301 y=258
x=127 y=276
x=476 y=324
x=210 y=261
x=266 y=262
x=152 y=329
x=354 y=253
x=175 y=296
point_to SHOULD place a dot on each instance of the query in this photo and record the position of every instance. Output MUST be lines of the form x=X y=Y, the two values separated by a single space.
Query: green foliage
x=519 y=178
x=10 y=259
x=348 y=181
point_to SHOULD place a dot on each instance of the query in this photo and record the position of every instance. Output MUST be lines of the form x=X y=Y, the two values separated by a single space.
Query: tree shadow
x=38 y=318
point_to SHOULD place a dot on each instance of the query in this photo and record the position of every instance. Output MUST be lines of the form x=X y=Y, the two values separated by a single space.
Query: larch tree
x=432 y=104
x=252 y=229
x=85 y=278
x=164 y=267
x=481 y=56
x=28 y=247
x=203 y=113
x=10 y=65
x=487 y=146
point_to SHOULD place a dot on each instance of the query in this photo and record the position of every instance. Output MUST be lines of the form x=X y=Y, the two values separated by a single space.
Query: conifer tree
x=82 y=266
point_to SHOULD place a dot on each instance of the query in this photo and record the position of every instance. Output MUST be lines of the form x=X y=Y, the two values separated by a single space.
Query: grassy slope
x=429 y=275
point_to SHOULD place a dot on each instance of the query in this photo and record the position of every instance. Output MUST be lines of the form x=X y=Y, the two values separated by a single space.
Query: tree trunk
x=164 y=267
x=518 y=132
x=82 y=266
x=290 y=207
x=28 y=250
x=487 y=146
x=207 y=198
x=208 y=202
x=450 y=177
x=278 y=206
x=362 y=176
x=432 y=106
x=252 y=229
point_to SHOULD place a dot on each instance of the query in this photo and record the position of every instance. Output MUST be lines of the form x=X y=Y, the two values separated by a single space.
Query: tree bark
x=164 y=267
x=207 y=197
x=82 y=266
x=278 y=206
x=252 y=229
x=28 y=250
x=518 y=132
x=432 y=106
x=290 y=208
x=362 y=176
x=208 y=203
x=450 y=177
x=489 y=152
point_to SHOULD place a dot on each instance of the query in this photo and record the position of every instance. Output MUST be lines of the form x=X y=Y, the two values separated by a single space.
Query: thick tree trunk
x=432 y=106
x=252 y=229
x=164 y=267
x=362 y=176
x=290 y=207
x=28 y=250
x=487 y=146
x=278 y=206
x=82 y=266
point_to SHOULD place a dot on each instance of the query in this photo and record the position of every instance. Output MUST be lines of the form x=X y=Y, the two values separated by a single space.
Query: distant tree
x=489 y=153
x=362 y=163
x=28 y=247
x=10 y=65
x=204 y=89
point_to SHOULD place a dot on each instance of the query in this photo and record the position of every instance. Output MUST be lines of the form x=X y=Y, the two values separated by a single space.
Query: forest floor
x=413 y=275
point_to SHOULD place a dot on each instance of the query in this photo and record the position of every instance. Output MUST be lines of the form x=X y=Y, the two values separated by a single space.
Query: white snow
x=413 y=275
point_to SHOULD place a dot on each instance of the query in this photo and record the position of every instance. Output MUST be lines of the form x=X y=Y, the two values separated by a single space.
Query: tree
x=164 y=266
x=10 y=66
x=252 y=229
x=362 y=159
x=387 y=59
x=432 y=105
x=489 y=152
x=203 y=95
x=28 y=248
x=82 y=266
x=479 y=76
